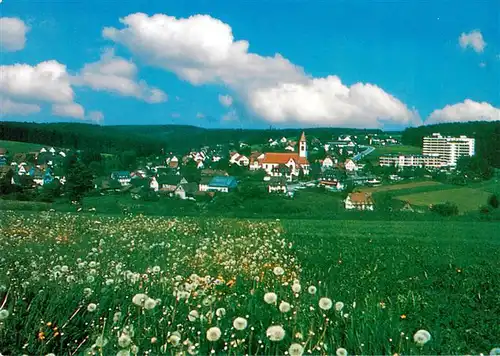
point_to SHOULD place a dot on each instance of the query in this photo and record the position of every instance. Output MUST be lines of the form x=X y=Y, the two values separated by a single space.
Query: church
x=287 y=164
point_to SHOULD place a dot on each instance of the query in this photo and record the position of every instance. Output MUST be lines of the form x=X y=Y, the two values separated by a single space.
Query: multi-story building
x=400 y=161
x=448 y=148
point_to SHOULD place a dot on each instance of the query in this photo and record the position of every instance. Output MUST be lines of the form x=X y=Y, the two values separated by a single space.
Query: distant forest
x=487 y=135
x=149 y=140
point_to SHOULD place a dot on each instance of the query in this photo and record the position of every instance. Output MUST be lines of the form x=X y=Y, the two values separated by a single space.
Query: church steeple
x=303 y=146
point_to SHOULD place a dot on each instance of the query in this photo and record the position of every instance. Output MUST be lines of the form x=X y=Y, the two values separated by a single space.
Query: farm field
x=401 y=186
x=467 y=199
x=138 y=285
x=20 y=147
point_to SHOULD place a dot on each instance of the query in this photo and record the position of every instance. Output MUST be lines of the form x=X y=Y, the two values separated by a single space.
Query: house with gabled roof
x=123 y=177
x=222 y=184
x=277 y=185
x=186 y=190
x=168 y=183
x=359 y=201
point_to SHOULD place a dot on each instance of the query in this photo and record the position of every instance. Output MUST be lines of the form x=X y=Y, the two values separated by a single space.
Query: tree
x=445 y=209
x=50 y=191
x=6 y=186
x=383 y=201
x=474 y=167
x=493 y=201
x=78 y=181
x=128 y=159
x=190 y=172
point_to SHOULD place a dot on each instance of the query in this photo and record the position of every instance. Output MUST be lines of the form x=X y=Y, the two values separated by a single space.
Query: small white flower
x=422 y=337
x=341 y=352
x=270 y=298
x=156 y=269
x=296 y=350
x=213 y=334
x=240 y=323
x=117 y=317
x=325 y=303
x=124 y=340
x=339 y=306
x=296 y=287
x=284 y=307
x=109 y=281
x=4 y=314
x=275 y=333
x=123 y=353
x=91 y=307
x=312 y=290
x=220 y=312
x=278 y=271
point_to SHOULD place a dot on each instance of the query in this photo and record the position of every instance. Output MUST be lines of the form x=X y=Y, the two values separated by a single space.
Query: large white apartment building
x=429 y=161
x=448 y=148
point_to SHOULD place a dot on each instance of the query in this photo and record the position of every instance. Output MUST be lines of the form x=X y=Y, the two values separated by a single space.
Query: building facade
x=400 y=161
x=450 y=149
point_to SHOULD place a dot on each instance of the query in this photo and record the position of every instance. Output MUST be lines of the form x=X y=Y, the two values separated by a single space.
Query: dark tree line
x=487 y=135
x=84 y=137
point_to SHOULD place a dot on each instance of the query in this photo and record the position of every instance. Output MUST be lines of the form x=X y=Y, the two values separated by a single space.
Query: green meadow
x=134 y=285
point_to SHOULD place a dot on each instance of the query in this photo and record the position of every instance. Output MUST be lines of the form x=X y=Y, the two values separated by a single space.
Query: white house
x=287 y=164
x=350 y=166
x=328 y=163
x=239 y=160
x=283 y=140
x=154 y=184
x=289 y=148
x=359 y=201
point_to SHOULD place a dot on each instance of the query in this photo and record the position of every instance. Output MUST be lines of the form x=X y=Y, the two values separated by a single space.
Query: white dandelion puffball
x=240 y=323
x=341 y=352
x=339 y=306
x=123 y=353
x=124 y=340
x=270 y=298
x=422 y=337
x=296 y=288
x=275 y=333
x=495 y=351
x=312 y=290
x=101 y=341
x=278 y=271
x=295 y=350
x=91 y=307
x=285 y=307
x=175 y=338
x=213 y=334
x=117 y=317
x=325 y=303
x=193 y=315
x=220 y=312
x=139 y=299
x=134 y=349
x=4 y=314
x=149 y=304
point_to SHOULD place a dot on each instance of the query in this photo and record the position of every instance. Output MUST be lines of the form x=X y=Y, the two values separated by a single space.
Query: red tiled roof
x=361 y=198
x=283 y=158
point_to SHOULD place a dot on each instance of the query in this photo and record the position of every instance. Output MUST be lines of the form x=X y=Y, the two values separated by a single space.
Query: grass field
x=20 y=147
x=134 y=285
x=467 y=199
x=401 y=186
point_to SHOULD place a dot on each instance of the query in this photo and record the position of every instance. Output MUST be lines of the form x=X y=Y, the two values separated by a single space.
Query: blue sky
x=408 y=56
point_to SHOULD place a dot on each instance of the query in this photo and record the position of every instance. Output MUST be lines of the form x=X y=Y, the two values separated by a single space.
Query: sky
x=250 y=64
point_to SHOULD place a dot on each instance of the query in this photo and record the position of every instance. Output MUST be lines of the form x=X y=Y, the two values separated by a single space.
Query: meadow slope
x=73 y=284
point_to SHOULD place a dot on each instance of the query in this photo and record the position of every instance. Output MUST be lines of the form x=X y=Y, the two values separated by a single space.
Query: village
x=281 y=166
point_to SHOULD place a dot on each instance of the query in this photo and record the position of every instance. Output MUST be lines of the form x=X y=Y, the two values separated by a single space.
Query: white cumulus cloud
x=12 y=34
x=203 y=50
x=468 y=110
x=473 y=39
x=73 y=110
x=226 y=100
x=117 y=75
x=46 y=81
x=10 y=107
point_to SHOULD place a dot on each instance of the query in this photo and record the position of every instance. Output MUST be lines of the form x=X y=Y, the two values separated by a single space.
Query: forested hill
x=151 y=139
x=487 y=135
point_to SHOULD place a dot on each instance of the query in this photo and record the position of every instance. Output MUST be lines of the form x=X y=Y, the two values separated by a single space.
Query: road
x=364 y=153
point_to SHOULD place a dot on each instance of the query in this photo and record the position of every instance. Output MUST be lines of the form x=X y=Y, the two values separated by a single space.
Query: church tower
x=303 y=146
